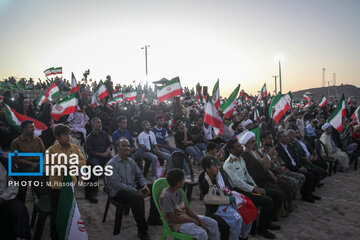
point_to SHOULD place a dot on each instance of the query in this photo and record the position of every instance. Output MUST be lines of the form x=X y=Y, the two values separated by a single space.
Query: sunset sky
x=199 y=41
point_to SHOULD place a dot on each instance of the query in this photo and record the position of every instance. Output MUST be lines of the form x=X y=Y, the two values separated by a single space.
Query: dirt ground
x=336 y=216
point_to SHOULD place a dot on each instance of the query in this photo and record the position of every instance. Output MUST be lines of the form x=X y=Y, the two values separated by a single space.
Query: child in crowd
x=179 y=216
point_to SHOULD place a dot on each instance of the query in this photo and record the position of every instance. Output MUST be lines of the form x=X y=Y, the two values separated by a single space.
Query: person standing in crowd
x=147 y=141
x=128 y=186
x=183 y=141
x=63 y=136
x=240 y=180
x=332 y=150
x=197 y=134
x=26 y=143
x=98 y=149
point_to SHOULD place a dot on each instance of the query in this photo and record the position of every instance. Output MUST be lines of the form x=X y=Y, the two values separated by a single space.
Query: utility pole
x=323 y=77
x=146 y=66
x=280 y=76
x=275 y=84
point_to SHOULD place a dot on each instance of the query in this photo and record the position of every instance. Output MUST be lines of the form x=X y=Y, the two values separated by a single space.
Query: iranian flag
x=102 y=92
x=256 y=115
x=130 y=96
x=95 y=100
x=15 y=119
x=356 y=116
x=245 y=95
x=65 y=106
x=216 y=95
x=306 y=97
x=262 y=93
x=117 y=95
x=143 y=97
x=170 y=123
x=171 y=89
x=41 y=100
x=349 y=101
x=201 y=98
x=74 y=85
x=322 y=102
x=278 y=107
x=229 y=105
x=212 y=117
x=289 y=98
x=57 y=70
x=336 y=116
x=48 y=71
x=52 y=92
x=69 y=224
x=112 y=103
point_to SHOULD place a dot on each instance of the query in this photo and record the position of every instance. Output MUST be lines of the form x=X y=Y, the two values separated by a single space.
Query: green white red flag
x=69 y=224
x=57 y=70
x=256 y=115
x=171 y=89
x=212 y=117
x=229 y=105
x=41 y=100
x=216 y=95
x=306 y=97
x=65 y=106
x=48 y=71
x=74 y=85
x=337 y=115
x=262 y=93
x=278 y=107
x=245 y=95
x=130 y=96
x=322 y=102
x=15 y=119
x=102 y=92
x=356 y=115
x=52 y=92
x=117 y=95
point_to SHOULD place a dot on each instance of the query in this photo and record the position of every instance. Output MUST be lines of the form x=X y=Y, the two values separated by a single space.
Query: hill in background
x=336 y=91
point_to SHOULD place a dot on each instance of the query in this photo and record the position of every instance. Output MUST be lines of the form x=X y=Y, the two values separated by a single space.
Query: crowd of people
x=241 y=171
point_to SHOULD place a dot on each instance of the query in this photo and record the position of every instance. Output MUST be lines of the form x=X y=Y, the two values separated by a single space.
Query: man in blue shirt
x=136 y=154
x=162 y=137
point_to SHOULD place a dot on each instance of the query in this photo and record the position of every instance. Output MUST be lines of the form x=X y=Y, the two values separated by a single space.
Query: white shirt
x=292 y=160
x=304 y=148
x=144 y=139
x=208 y=132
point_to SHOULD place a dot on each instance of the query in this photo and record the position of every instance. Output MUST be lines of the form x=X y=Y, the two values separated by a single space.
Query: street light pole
x=280 y=76
x=146 y=66
x=275 y=84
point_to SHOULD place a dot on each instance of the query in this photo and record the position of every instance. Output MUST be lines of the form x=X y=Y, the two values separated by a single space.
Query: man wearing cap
x=332 y=150
x=241 y=181
x=263 y=178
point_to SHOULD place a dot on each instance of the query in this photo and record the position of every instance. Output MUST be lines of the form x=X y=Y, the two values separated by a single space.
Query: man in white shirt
x=332 y=150
x=147 y=140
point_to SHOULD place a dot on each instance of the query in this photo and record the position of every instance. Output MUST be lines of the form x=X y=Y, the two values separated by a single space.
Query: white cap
x=245 y=138
x=246 y=123
x=325 y=126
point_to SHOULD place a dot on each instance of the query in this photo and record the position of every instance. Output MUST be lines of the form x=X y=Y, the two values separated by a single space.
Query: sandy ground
x=336 y=216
